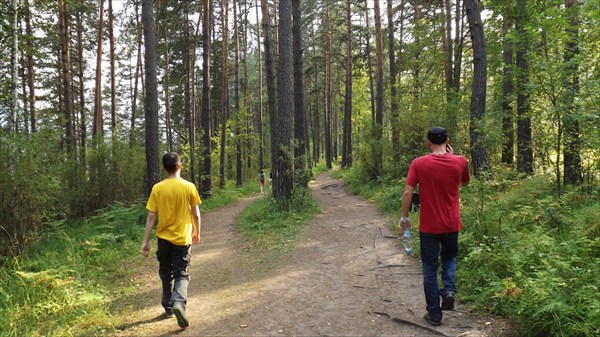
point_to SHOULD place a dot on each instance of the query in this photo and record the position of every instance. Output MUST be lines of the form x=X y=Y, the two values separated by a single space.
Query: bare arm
x=406 y=200
x=196 y=221
x=150 y=219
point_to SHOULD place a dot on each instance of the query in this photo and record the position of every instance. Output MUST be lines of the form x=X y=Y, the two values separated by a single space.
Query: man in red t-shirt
x=439 y=176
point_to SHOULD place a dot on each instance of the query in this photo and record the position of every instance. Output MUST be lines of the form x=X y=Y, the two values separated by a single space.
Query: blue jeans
x=430 y=253
x=173 y=269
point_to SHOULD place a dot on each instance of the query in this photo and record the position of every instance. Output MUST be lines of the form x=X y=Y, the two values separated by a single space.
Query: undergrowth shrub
x=272 y=228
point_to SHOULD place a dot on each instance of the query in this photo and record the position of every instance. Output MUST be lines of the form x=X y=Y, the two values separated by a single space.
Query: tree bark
x=261 y=140
x=524 y=149
x=151 y=110
x=65 y=62
x=138 y=67
x=271 y=85
x=377 y=151
x=479 y=155
x=299 y=107
x=507 y=88
x=224 y=88
x=282 y=187
x=347 y=129
x=30 y=71
x=327 y=86
x=394 y=113
x=236 y=99
x=572 y=140
x=97 y=129
x=113 y=94
x=14 y=71
x=205 y=118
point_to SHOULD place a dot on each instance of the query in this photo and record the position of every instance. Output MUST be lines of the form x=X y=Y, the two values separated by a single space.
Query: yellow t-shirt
x=172 y=200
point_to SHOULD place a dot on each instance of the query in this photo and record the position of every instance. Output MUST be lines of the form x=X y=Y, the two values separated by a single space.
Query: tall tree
x=30 y=71
x=187 y=99
x=347 y=129
x=299 y=107
x=113 y=91
x=97 y=129
x=151 y=106
x=236 y=98
x=479 y=155
x=261 y=140
x=224 y=87
x=138 y=67
x=65 y=61
x=13 y=61
x=80 y=63
x=572 y=140
x=378 y=128
x=205 y=118
x=507 y=86
x=524 y=149
x=394 y=113
x=271 y=82
x=327 y=83
x=282 y=187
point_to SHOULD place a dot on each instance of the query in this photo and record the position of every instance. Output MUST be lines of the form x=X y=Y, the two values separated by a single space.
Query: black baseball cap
x=437 y=135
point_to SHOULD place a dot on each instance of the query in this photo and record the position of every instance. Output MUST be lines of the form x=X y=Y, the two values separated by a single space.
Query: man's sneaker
x=448 y=301
x=179 y=312
x=431 y=320
x=169 y=313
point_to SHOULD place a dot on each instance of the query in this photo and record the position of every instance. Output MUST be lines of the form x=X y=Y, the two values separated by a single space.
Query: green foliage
x=272 y=228
x=68 y=278
x=533 y=256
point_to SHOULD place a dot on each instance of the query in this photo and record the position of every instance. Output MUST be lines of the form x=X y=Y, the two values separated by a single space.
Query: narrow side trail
x=347 y=277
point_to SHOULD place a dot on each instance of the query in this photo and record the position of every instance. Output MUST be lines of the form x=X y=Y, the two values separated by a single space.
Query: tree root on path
x=401 y=320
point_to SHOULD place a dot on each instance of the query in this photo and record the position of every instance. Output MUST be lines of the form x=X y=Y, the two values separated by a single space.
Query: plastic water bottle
x=407 y=242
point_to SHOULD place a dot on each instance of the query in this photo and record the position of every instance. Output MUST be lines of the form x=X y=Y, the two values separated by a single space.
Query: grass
x=524 y=252
x=71 y=274
x=272 y=229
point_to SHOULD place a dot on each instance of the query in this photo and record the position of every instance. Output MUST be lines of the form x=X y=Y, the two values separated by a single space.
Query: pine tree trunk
x=138 y=67
x=97 y=129
x=377 y=151
x=394 y=113
x=327 y=86
x=347 y=130
x=14 y=70
x=507 y=88
x=236 y=99
x=524 y=149
x=261 y=139
x=299 y=107
x=30 y=71
x=65 y=62
x=479 y=155
x=205 y=118
x=113 y=93
x=151 y=110
x=224 y=88
x=271 y=85
x=572 y=137
x=282 y=188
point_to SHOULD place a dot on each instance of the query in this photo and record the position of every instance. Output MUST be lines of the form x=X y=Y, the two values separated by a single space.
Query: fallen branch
x=405 y=321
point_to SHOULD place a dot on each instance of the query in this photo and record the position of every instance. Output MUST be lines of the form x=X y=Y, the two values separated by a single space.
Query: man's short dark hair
x=170 y=161
x=437 y=135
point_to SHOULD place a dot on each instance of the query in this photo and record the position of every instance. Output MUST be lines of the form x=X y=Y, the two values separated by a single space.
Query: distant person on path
x=261 y=179
x=175 y=201
x=439 y=175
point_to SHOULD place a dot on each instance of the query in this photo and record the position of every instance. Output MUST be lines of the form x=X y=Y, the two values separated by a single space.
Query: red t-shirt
x=439 y=178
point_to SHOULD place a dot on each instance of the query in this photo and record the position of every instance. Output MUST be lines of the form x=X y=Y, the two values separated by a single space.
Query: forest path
x=348 y=276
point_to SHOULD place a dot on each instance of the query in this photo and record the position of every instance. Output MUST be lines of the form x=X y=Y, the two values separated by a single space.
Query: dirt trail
x=347 y=277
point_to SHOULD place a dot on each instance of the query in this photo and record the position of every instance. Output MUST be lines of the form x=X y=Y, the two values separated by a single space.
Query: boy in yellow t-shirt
x=175 y=201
